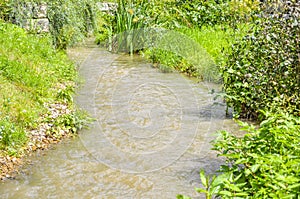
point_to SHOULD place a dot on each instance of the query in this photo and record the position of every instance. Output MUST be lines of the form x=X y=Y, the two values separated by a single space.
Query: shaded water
x=150 y=138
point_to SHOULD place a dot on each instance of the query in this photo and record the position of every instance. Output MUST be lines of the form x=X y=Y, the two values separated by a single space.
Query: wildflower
x=131 y=11
x=135 y=19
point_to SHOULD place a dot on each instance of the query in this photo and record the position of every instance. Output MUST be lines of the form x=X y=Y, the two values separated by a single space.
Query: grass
x=214 y=40
x=31 y=74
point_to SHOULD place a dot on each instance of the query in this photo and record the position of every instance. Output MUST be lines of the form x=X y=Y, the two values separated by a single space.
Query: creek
x=150 y=137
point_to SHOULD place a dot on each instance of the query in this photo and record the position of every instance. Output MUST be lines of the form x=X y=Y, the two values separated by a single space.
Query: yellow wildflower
x=131 y=11
x=135 y=19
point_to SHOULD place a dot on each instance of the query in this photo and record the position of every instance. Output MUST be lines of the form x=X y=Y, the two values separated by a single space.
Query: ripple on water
x=150 y=139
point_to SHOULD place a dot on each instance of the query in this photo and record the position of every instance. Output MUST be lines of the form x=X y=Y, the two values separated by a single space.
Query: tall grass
x=128 y=23
x=214 y=40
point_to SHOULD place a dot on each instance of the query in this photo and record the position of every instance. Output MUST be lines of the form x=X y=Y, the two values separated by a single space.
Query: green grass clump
x=32 y=73
x=214 y=40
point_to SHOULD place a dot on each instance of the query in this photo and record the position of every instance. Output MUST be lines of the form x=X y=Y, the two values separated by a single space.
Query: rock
x=40 y=11
x=107 y=7
x=14 y=160
x=37 y=25
x=33 y=148
x=45 y=141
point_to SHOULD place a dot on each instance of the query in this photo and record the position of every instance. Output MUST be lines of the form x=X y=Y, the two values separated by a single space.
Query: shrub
x=70 y=21
x=265 y=163
x=214 y=12
x=263 y=69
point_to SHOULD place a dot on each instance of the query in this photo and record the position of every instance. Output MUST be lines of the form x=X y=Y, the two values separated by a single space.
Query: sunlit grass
x=31 y=72
x=216 y=41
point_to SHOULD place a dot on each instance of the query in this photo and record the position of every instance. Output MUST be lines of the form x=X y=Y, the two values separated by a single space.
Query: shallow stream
x=150 y=138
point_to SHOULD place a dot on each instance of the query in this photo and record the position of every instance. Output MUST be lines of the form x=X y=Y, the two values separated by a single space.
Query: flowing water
x=149 y=140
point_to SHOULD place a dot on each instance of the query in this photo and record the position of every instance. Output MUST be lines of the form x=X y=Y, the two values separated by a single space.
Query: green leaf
x=225 y=193
x=294 y=186
x=241 y=161
x=182 y=197
x=233 y=187
x=203 y=178
x=220 y=179
x=241 y=194
x=199 y=190
x=254 y=167
x=289 y=196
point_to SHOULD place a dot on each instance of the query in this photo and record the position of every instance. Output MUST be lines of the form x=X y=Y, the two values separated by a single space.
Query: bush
x=261 y=81
x=214 y=12
x=265 y=163
x=263 y=69
x=70 y=21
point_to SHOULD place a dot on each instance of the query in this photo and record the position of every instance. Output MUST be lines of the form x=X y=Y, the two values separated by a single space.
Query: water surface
x=150 y=138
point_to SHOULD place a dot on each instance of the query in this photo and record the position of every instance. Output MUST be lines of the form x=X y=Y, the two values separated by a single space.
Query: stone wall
x=36 y=18
x=107 y=7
